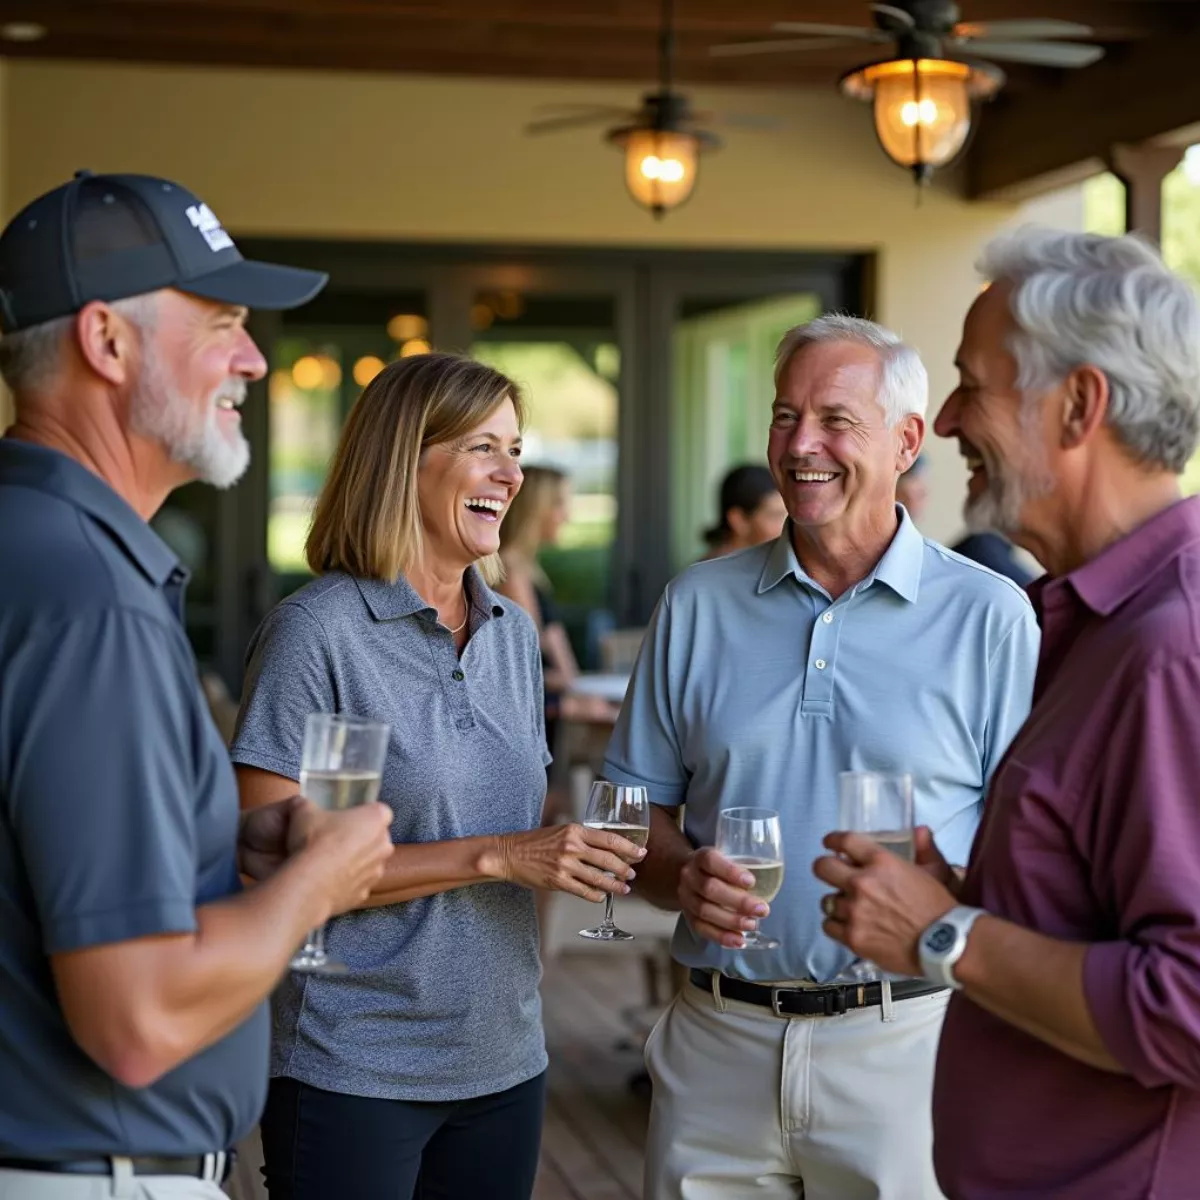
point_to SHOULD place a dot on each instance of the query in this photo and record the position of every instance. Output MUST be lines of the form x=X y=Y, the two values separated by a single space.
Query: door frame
x=647 y=285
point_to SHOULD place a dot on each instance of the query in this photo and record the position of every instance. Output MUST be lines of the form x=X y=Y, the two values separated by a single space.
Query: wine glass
x=341 y=766
x=624 y=811
x=880 y=804
x=751 y=838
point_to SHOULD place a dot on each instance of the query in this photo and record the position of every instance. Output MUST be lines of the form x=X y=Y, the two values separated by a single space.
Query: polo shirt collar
x=390 y=601
x=1122 y=569
x=26 y=464
x=899 y=567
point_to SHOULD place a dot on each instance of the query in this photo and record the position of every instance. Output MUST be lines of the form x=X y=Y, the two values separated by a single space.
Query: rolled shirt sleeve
x=1143 y=990
x=645 y=748
x=102 y=764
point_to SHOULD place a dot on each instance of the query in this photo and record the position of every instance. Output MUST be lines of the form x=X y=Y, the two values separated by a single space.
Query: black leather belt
x=828 y=1001
x=212 y=1167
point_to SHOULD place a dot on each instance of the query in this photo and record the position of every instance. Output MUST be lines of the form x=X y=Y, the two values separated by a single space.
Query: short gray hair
x=1111 y=303
x=904 y=387
x=30 y=357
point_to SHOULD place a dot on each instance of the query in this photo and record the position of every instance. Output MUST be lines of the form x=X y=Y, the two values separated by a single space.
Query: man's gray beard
x=193 y=438
x=1000 y=506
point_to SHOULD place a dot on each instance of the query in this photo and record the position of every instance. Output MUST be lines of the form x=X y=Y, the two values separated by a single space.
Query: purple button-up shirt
x=1091 y=833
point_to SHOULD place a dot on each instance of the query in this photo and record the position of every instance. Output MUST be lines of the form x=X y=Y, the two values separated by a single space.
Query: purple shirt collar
x=1122 y=569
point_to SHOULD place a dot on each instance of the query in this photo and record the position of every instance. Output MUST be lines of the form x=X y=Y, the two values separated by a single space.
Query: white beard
x=190 y=436
x=1000 y=507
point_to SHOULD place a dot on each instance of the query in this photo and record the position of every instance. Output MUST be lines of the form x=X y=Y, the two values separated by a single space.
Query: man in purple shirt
x=1069 y=1064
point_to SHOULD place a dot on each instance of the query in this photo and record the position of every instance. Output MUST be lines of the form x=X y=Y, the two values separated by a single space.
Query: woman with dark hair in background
x=751 y=511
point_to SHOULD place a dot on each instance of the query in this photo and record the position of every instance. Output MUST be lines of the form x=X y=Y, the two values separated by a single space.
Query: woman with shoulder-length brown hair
x=421 y=1069
x=538 y=513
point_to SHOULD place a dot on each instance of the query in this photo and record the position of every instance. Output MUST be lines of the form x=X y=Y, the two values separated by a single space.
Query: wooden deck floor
x=595 y=1128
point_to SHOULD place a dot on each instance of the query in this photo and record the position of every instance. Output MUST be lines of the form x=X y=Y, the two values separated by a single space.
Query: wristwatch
x=943 y=943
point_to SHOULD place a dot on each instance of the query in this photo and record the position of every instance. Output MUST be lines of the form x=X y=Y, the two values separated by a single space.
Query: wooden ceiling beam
x=1116 y=19
x=638 y=73
x=1140 y=92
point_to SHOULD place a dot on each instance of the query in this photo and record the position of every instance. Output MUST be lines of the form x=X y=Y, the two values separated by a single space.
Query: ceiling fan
x=922 y=94
x=933 y=29
x=662 y=139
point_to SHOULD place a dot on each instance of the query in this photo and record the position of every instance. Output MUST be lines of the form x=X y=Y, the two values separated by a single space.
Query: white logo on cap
x=203 y=218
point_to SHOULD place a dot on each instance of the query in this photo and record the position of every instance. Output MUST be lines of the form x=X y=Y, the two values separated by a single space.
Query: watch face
x=941 y=938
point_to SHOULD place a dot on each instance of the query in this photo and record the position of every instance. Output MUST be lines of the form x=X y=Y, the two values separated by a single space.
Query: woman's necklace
x=466 y=618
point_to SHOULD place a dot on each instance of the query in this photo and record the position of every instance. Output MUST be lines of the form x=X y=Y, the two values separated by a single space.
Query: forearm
x=140 y=1008
x=666 y=852
x=426 y=868
x=1034 y=982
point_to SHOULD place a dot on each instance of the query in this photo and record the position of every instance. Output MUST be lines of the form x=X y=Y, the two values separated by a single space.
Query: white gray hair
x=1111 y=303
x=904 y=386
x=30 y=357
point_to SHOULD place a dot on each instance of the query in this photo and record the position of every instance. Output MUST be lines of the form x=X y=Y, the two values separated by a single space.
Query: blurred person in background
x=534 y=520
x=912 y=489
x=751 y=511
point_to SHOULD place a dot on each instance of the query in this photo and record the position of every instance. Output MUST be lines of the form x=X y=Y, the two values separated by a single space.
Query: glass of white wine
x=341 y=766
x=624 y=811
x=751 y=838
x=879 y=804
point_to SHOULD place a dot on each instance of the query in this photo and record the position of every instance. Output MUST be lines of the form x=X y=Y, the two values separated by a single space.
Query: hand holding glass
x=751 y=838
x=624 y=811
x=879 y=804
x=341 y=766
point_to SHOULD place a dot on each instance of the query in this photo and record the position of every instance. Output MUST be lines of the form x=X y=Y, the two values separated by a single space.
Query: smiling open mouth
x=814 y=476
x=485 y=509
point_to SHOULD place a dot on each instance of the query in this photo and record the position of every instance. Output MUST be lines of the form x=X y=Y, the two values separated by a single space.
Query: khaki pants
x=748 y=1106
x=122 y=1184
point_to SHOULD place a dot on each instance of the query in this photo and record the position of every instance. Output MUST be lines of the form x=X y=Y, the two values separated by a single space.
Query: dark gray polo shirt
x=118 y=812
x=441 y=1000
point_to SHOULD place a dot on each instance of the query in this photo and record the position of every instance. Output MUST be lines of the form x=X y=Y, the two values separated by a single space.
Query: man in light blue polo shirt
x=851 y=642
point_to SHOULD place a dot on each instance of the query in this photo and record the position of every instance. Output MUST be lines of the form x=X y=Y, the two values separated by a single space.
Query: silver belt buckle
x=860 y=988
x=775 y=1003
x=213 y=1170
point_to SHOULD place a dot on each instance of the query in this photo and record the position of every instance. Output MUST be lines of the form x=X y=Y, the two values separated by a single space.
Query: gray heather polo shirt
x=441 y=1000
x=118 y=812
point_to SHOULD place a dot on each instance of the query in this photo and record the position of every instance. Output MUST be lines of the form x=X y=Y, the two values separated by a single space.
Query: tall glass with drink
x=751 y=837
x=624 y=811
x=341 y=766
x=879 y=804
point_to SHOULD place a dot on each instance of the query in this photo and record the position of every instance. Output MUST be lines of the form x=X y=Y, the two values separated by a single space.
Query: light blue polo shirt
x=754 y=687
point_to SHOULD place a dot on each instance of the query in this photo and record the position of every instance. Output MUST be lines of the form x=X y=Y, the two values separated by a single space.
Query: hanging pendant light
x=662 y=157
x=922 y=107
x=663 y=147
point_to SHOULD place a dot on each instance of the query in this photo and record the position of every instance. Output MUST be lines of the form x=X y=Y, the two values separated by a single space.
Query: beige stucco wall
x=326 y=154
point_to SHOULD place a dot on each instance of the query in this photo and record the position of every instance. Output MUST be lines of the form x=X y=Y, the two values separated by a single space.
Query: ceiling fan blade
x=579 y=120
x=745 y=49
x=1018 y=31
x=816 y=30
x=900 y=15
x=568 y=107
x=1038 y=54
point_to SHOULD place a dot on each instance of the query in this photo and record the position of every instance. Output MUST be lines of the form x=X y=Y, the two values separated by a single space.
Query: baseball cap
x=106 y=237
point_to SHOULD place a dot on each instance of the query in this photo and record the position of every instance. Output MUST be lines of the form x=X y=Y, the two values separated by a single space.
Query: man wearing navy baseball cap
x=133 y=968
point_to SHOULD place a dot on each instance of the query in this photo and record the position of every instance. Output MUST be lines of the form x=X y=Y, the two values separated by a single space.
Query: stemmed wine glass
x=751 y=837
x=341 y=766
x=879 y=804
x=624 y=811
